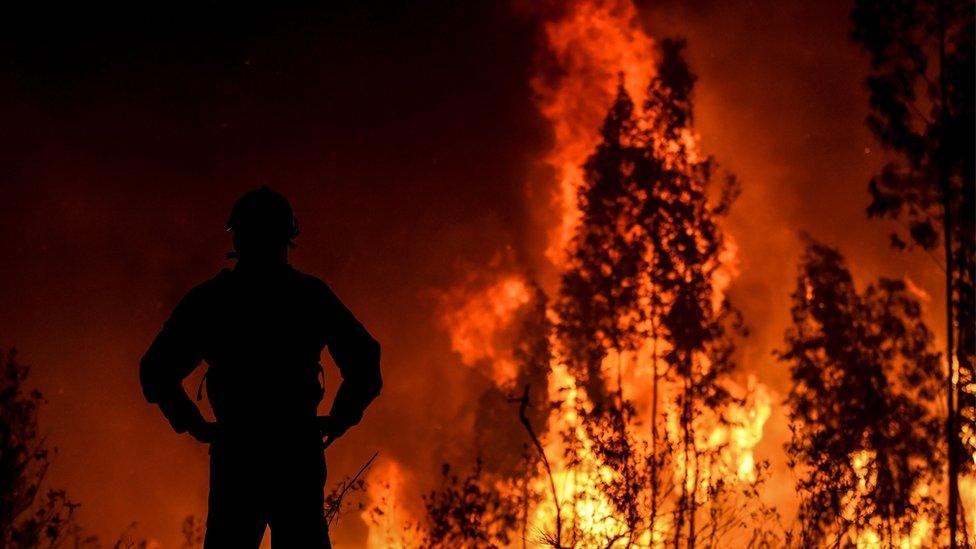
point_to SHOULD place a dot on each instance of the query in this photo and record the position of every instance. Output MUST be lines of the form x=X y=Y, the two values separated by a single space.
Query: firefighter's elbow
x=149 y=379
x=373 y=349
x=376 y=384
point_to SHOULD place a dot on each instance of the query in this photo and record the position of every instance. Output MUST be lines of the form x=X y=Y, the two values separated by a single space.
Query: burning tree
x=922 y=96
x=489 y=505
x=469 y=511
x=500 y=436
x=640 y=384
x=685 y=245
x=862 y=409
x=600 y=312
x=641 y=280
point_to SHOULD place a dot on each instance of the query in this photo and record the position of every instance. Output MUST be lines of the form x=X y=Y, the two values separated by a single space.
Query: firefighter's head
x=263 y=225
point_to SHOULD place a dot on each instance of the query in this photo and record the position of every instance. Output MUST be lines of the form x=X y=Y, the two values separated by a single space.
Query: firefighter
x=261 y=328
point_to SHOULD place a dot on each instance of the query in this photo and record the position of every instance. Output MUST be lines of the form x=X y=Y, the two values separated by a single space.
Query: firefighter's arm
x=357 y=354
x=172 y=356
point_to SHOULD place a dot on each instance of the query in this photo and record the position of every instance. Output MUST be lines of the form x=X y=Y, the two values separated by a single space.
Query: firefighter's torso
x=262 y=336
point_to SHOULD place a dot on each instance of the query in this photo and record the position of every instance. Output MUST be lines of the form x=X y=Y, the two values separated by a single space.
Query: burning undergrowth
x=616 y=413
x=613 y=416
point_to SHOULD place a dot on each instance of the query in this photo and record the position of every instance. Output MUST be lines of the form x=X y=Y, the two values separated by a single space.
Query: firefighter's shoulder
x=204 y=291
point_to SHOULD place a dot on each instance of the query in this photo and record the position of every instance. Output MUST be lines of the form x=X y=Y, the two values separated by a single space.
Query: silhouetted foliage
x=602 y=311
x=863 y=414
x=469 y=511
x=533 y=359
x=599 y=305
x=641 y=272
x=30 y=515
x=922 y=109
x=337 y=502
x=685 y=245
x=922 y=98
x=499 y=436
x=486 y=507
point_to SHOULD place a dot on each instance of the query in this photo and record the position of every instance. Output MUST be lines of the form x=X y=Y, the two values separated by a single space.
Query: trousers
x=277 y=483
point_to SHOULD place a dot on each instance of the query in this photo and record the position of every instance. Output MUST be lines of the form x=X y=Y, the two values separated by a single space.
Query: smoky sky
x=400 y=131
x=403 y=133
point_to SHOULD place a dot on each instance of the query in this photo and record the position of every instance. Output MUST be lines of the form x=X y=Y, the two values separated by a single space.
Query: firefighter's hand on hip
x=204 y=431
x=330 y=429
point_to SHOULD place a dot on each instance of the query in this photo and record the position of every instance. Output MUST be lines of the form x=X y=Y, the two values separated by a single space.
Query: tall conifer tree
x=921 y=85
x=865 y=431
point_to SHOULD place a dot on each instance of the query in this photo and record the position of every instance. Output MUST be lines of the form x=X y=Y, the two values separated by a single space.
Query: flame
x=477 y=320
x=746 y=429
x=726 y=273
x=593 y=43
x=590 y=44
x=967 y=495
x=920 y=533
x=577 y=487
x=387 y=519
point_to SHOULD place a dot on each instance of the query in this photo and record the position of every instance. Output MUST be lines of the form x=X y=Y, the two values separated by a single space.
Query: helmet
x=264 y=214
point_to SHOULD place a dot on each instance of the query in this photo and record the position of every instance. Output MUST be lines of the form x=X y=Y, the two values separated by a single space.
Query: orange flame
x=591 y=44
x=478 y=319
x=387 y=519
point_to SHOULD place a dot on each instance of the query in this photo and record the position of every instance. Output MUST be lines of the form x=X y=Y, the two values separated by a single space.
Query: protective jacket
x=261 y=332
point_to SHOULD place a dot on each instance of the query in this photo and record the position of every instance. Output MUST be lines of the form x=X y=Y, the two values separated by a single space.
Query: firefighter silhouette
x=261 y=328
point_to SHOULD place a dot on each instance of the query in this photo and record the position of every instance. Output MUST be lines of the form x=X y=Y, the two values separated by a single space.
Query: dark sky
x=402 y=132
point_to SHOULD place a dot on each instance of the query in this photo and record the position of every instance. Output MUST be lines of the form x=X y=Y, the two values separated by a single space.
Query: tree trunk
x=690 y=472
x=654 y=456
x=952 y=434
